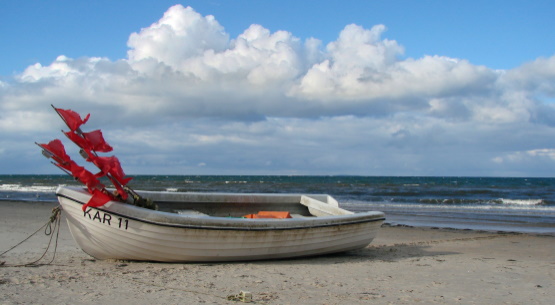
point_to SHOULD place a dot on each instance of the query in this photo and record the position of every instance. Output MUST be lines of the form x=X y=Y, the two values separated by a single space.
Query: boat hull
x=122 y=231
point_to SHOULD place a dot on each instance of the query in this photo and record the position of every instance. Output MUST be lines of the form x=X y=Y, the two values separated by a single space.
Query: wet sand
x=403 y=265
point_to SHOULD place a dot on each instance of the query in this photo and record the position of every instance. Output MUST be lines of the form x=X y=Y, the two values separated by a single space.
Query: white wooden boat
x=203 y=227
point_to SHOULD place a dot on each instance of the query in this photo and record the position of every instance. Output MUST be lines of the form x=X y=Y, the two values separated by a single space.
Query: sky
x=388 y=88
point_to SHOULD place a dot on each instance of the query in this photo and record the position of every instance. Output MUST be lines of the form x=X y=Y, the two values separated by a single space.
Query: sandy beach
x=403 y=265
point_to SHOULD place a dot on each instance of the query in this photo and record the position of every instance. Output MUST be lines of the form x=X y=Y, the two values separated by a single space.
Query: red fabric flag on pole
x=85 y=177
x=105 y=164
x=98 y=198
x=111 y=165
x=119 y=187
x=58 y=151
x=96 y=141
x=78 y=140
x=72 y=118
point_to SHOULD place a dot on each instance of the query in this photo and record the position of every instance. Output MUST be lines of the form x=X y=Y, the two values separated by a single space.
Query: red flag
x=105 y=164
x=67 y=165
x=85 y=177
x=111 y=165
x=78 y=140
x=123 y=194
x=96 y=141
x=58 y=151
x=99 y=198
x=72 y=118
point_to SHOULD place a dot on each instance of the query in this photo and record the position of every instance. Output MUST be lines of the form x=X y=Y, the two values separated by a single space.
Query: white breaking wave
x=522 y=201
x=415 y=209
x=27 y=188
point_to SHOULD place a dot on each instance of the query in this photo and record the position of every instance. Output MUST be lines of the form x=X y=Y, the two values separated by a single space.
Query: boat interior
x=240 y=205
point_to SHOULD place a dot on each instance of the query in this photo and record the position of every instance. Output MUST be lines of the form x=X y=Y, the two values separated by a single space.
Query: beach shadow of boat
x=392 y=253
x=384 y=253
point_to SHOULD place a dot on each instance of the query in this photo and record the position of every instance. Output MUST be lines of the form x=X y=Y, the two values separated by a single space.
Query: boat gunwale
x=240 y=224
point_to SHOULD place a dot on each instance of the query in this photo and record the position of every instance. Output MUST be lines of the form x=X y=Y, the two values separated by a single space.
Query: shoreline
x=403 y=265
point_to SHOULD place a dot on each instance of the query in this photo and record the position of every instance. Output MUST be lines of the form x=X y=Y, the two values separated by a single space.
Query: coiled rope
x=49 y=227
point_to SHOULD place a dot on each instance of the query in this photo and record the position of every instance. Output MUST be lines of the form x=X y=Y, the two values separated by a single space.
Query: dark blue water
x=502 y=204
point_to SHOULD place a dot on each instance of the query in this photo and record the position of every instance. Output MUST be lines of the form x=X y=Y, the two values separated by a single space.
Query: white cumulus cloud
x=189 y=97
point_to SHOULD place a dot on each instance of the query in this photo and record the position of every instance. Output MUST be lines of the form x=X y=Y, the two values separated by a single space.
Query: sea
x=524 y=205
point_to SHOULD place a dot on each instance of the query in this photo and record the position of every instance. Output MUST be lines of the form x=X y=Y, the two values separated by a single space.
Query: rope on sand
x=49 y=227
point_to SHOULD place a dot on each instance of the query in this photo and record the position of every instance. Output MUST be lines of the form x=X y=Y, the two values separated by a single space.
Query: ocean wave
x=466 y=201
x=415 y=209
x=522 y=201
x=191 y=181
x=28 y=188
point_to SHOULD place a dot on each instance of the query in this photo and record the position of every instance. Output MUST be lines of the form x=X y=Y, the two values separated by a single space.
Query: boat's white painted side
x=123 y=231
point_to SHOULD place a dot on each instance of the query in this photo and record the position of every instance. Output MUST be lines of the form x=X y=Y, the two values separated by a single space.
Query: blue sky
x=286 y=87
x=498 y=34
